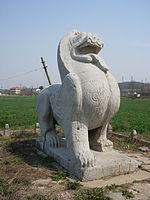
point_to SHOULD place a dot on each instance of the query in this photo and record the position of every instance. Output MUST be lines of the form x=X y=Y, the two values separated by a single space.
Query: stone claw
x=106 y=145
x=86 y=159
x=53 y=140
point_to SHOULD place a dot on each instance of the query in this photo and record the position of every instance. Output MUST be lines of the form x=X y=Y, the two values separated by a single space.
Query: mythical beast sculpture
x=85 y=102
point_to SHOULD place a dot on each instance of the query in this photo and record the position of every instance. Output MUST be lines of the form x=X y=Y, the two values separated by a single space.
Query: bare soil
x=27 y=174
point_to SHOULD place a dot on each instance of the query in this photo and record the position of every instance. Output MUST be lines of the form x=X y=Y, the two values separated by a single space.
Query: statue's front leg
x=98 y=139
x=80 y=155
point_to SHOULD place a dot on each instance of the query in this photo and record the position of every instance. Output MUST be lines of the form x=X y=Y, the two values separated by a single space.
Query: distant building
x=15 y=90
x=135 y=89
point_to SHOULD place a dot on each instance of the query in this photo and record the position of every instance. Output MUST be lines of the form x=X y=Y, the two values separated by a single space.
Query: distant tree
x=26 y=91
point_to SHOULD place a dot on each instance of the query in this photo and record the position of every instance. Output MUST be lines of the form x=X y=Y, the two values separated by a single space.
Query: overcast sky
x=30 y=29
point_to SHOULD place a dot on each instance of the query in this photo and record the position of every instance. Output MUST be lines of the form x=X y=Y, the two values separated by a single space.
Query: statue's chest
x=95 y=95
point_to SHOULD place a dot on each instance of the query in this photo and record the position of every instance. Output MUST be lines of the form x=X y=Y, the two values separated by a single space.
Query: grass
x=125 y=145
x=5 y=141
x=73 y=185
x=22 y=170
x=38 y=197
x=6 y=188
x=127 y=194
x=111 y=187
x=12 y=160
x=58 y=175
x=133 y=114
x=18 y=111
x=20 y=166
x=95 y=194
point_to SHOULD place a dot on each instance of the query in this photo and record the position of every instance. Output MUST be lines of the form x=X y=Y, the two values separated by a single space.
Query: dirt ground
x=27 y=174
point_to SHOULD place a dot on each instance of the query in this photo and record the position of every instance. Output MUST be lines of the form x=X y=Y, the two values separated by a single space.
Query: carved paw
x=106 y=145
x=53 y=140
x=86 y=159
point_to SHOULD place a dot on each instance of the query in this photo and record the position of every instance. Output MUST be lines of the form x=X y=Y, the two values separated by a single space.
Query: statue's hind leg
x=98 y=139
x=46 y=120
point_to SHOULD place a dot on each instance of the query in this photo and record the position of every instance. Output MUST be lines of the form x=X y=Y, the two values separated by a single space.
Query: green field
x=133 y=114
x=20 y=112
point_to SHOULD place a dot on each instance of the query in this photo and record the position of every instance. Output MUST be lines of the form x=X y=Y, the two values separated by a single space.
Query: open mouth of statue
x=87 y=48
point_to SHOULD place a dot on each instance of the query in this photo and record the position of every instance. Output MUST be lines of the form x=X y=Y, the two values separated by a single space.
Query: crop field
x=133 y=114
x=20 y=112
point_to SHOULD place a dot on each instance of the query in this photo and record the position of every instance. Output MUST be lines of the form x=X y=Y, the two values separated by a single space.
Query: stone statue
x=82 y=105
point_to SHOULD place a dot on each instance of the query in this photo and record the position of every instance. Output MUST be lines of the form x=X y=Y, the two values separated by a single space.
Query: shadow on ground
x=22 y=144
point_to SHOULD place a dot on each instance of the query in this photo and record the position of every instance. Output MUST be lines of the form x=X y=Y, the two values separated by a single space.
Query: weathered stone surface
x=144 y=149
x=6 y=130
x=143 y=191
x=140 y=158
x=146 y=167
x=83 y=105
x=139 y=175
x=110 y=164
x=116 y=196
x=42 y=182
x=106 y=164
x=133 y=134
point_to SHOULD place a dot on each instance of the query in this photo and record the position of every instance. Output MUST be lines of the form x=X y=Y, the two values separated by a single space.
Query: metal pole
x=45 y=68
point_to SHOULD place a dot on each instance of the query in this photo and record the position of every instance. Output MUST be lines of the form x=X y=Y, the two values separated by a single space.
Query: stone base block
x=110 y=164
x=107 y=164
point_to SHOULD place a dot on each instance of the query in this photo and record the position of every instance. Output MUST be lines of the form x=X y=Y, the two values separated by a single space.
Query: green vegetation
x=111 y=187
x=123 y=145
x=38 y=197
x=95 y=194
x=7 y=189
x=58 y=175
x=5 y=141
x=22 y=166
x=73 y=185
x=18 y=111
x=133 y=114
x=12 y=160
x=127 y=194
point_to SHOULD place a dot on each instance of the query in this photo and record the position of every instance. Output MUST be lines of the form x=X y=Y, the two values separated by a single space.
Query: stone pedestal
x=107 y=164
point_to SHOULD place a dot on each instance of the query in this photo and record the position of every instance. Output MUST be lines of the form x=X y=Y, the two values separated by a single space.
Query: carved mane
x=82 y=47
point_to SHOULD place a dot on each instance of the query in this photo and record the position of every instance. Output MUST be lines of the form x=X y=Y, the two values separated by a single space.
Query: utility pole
x=45 y=69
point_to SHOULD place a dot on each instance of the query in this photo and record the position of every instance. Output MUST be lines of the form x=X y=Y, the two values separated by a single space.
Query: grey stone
x=139 y=175
x=6 y=126
x=109 y=128
x=82 y=105
x=42 y=182
x=143 y=191
x=146 y=167
x=116 y=196
x=133 y=134
x=7 y=130
x=37 y=127
x=106 y=164
x=144 y=149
